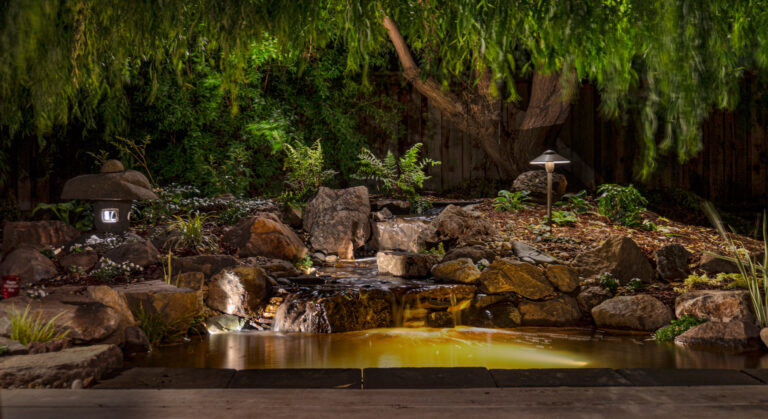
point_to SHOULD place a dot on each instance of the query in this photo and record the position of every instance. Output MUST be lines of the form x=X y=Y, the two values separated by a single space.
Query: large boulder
x=337 y=220
x=209 y=265
x=672 y=262
x=240 y=291
x=560 y=311
x=476 y=253
x=459 y=270
x=109 y=297
x=407 y=265
x=84 y=260
x=636 y=312
x=620 y=256
x=733 y=336
x=714 y=265
x=521 y=278
x=82 y=318
x=335 y=313
x=264 y=235
x=715 y=306
x=590 y=297
x=59 y=369
x=399 y=234
x=176 y=307
x=455 y=224
x=141 y=253
x=29 y=264
x=535 y=181
x=563 y=277
x=37 y=234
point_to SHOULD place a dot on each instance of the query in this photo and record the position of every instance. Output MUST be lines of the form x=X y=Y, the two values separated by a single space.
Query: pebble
x=77 y=384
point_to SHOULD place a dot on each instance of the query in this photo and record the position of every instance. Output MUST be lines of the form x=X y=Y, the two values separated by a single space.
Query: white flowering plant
x=108 y=270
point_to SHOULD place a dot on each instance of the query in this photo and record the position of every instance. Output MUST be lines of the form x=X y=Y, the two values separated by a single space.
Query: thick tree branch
x=428 y=87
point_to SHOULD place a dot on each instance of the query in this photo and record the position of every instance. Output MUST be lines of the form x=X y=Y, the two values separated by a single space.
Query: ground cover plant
x=27 y=328
x=621 y=204
x=510 y=201
x=676 y=327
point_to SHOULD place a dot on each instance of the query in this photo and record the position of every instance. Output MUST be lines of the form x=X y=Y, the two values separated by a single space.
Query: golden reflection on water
x=424 y=347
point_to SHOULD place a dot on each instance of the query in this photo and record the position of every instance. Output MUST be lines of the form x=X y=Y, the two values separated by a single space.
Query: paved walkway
x=602 y=402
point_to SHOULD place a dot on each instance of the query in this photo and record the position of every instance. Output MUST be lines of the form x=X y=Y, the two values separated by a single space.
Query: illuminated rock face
x=521 y=278
x=407 y=265
x=337 y=220
x=240 y=291
x=715 y=305
x=636 y=312
x=267 y=236
x=335 y=313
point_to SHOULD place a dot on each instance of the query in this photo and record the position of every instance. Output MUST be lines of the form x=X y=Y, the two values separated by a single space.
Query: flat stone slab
x=760 y=374
x=462 y=377
x=686 y=377
x=559 y=377
x=169 y=378
x=337 y=378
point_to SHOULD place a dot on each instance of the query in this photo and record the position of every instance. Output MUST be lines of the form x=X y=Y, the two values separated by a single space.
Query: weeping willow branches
x=669 y=62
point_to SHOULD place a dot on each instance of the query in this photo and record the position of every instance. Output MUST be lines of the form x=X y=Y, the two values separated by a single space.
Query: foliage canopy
x=668 y=61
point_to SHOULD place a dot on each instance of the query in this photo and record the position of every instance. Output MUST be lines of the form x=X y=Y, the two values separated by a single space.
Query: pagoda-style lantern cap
x=114 y=183
x=549 y=156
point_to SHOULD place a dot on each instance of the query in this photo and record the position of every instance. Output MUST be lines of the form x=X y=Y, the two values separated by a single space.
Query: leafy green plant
x=193 y=235
x=564 y=218
x=634 y=285
x=26 y=329
x=753 y=271
x=75 y=213
x=304 y=264
x=607 y=280
x=676 y=327
x=3 y=349
x=398 y=176
x=304 y=172
x=621 y=204
x=576 y=201
x=510 y=201
x=438 y=250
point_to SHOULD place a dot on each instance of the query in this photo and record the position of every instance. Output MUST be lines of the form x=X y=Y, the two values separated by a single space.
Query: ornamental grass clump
x=26 y=329
x=193 y=235
x=751 y=269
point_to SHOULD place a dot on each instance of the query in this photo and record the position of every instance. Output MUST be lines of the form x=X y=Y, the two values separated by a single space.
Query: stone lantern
x=113 y=190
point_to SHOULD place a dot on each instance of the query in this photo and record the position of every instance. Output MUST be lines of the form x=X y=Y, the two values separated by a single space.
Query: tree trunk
x=479 y=114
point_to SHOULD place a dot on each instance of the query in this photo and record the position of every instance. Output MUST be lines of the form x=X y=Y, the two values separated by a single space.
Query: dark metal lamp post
x=549 y=159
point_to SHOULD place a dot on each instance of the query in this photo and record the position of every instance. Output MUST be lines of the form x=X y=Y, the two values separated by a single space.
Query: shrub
x=621 y=204
x=304 y=264
x=438 y=250
x=75 y=213
x=676 y=327
x=576 y=202
x=193 y=235
x=398 y=176
x=634 y=285
x=608 y=281
x=564 y=218
x=752 y=271
x=26 y=329
x=304 y=173
x=510 y=201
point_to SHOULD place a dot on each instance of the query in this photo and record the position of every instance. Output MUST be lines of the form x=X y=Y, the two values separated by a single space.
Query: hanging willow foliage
x=667 y=61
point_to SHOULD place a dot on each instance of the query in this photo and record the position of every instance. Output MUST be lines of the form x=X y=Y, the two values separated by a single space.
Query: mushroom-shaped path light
x=549 y=159
x=112 y=191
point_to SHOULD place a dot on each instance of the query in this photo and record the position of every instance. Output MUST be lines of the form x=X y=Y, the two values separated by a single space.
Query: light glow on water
x=450 y=347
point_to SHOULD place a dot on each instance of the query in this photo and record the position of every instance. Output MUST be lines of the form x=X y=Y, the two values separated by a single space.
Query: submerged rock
x=636 y=312
x=407 y=265
x=734 y=336
x=560 y=311
x=337 y=220
x=264 y=235
x=59 y=369
x=620 y=256
x=521 y=278
x=458 y=270
x=240 y=291
x=715 y=305
x=335 y=313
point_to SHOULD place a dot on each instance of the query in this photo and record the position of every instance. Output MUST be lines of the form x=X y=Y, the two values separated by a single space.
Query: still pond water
x=454 y=347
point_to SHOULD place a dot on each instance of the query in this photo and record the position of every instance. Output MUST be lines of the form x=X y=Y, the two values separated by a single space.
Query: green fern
x=304 y=172
x=400 y=177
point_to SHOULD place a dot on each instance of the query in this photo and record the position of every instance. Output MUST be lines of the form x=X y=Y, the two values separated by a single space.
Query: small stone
x=331 y=259
x=383 y=215
x=407 y=265
x=459 y=270
x=476 y=253
x=531 y=254
x=77 y=384
x=764 y=336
